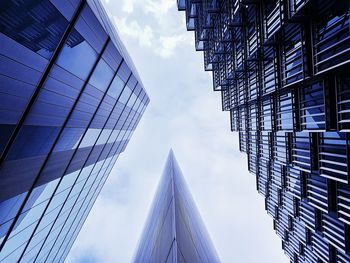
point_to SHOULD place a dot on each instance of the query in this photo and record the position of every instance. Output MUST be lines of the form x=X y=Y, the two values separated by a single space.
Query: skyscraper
x=174 y=231
x=70 y=99
x=282 y=67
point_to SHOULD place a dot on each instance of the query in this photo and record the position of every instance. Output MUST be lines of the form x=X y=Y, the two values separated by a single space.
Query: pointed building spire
x=174 y=231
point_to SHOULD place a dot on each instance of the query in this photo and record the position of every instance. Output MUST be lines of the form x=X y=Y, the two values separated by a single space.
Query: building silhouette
x=70 y=99
x=174 y=231
x=282 y=67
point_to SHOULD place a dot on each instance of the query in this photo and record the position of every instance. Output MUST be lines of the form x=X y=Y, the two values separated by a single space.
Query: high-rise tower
x=70 y=99
x=174 y=231
x=283 y=70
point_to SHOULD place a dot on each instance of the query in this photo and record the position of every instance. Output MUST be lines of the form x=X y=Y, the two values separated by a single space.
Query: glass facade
x=283 y=67
x=174 y=231
x=70 y=99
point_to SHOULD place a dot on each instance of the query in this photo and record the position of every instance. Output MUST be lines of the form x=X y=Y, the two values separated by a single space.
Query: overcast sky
x=184 y=114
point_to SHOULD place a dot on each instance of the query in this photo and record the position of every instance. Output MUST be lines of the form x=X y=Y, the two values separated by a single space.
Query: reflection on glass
x=125 y=95
x=38 y=26
x=74 y=52
x=31 y=141
x=116 y=87
x=102 y=76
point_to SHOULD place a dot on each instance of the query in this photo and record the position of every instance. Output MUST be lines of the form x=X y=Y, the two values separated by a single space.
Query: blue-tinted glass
x=66 y=7
x=125 y=95
x=62 y=179
x=116 y=87
x=5 y=133
x=76 y=50
x=90 y=137
x=69 y=139
x=39 y=27
x=8 y=210
x=91 y=30
x=101 y=76
x=31 y=141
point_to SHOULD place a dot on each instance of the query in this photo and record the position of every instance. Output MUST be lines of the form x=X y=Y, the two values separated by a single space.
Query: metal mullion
x=44 y=165
x=74 y=154
x=31 y=103
x=95 y=178
x=82 y=220
x=99 y=190
x=115 y=75
x=102 y=179
x=87 y=209
x=41 y=83
x=101 y=150
x=63 y=224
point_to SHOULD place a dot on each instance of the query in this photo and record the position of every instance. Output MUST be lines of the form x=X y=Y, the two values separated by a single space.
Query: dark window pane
x=37 y=25
x=31 y=141
x=5 y=133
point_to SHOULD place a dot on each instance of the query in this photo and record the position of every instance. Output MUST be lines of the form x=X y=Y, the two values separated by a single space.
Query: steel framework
x=282 y=67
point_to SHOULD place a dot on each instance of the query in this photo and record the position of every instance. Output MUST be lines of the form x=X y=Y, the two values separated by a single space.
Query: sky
x=184 y=114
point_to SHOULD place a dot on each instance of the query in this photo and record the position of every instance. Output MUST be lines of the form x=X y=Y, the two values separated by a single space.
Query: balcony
x=343 y=102
x=253 y=152
x=253 y=117
x=243 y=140
x=265 y=146
x=253 y=31
x=343 y=204
x=266 y=114
x=321 y=247
x=269 y=65
x=277 y=174
x=296 y=5
x=234 y=116
x=293 y=61
x=273 y=17
x=293 y=181
x=301 y=151
x=263 y=177
x=317 y=192
x=307 y=215
x=272 y=200
x=253 y=84
x=285 y=112
x=312 y=108
x=279 y=147
x=332 y=43
x=334 y=232
x=333 y=160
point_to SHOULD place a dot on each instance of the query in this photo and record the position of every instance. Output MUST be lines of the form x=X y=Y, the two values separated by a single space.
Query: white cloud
x=144 y=34
x=159 y=7
x=163 y=46
x=168 y=44
x=128 y=6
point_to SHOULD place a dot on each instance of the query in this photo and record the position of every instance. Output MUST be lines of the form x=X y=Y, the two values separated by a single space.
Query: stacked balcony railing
x=283 y=69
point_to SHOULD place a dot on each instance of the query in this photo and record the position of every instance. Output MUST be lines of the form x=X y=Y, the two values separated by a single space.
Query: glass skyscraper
x=174 y=231
x=70 y=99
x=283 y=70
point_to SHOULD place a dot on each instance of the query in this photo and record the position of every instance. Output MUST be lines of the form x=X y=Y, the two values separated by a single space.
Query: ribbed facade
x=282 y=67
x=70 y=99
x=174 y=231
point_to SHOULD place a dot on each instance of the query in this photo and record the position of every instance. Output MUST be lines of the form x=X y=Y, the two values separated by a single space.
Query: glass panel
x=76 y=50
x=38 y=26
x=102 y=76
